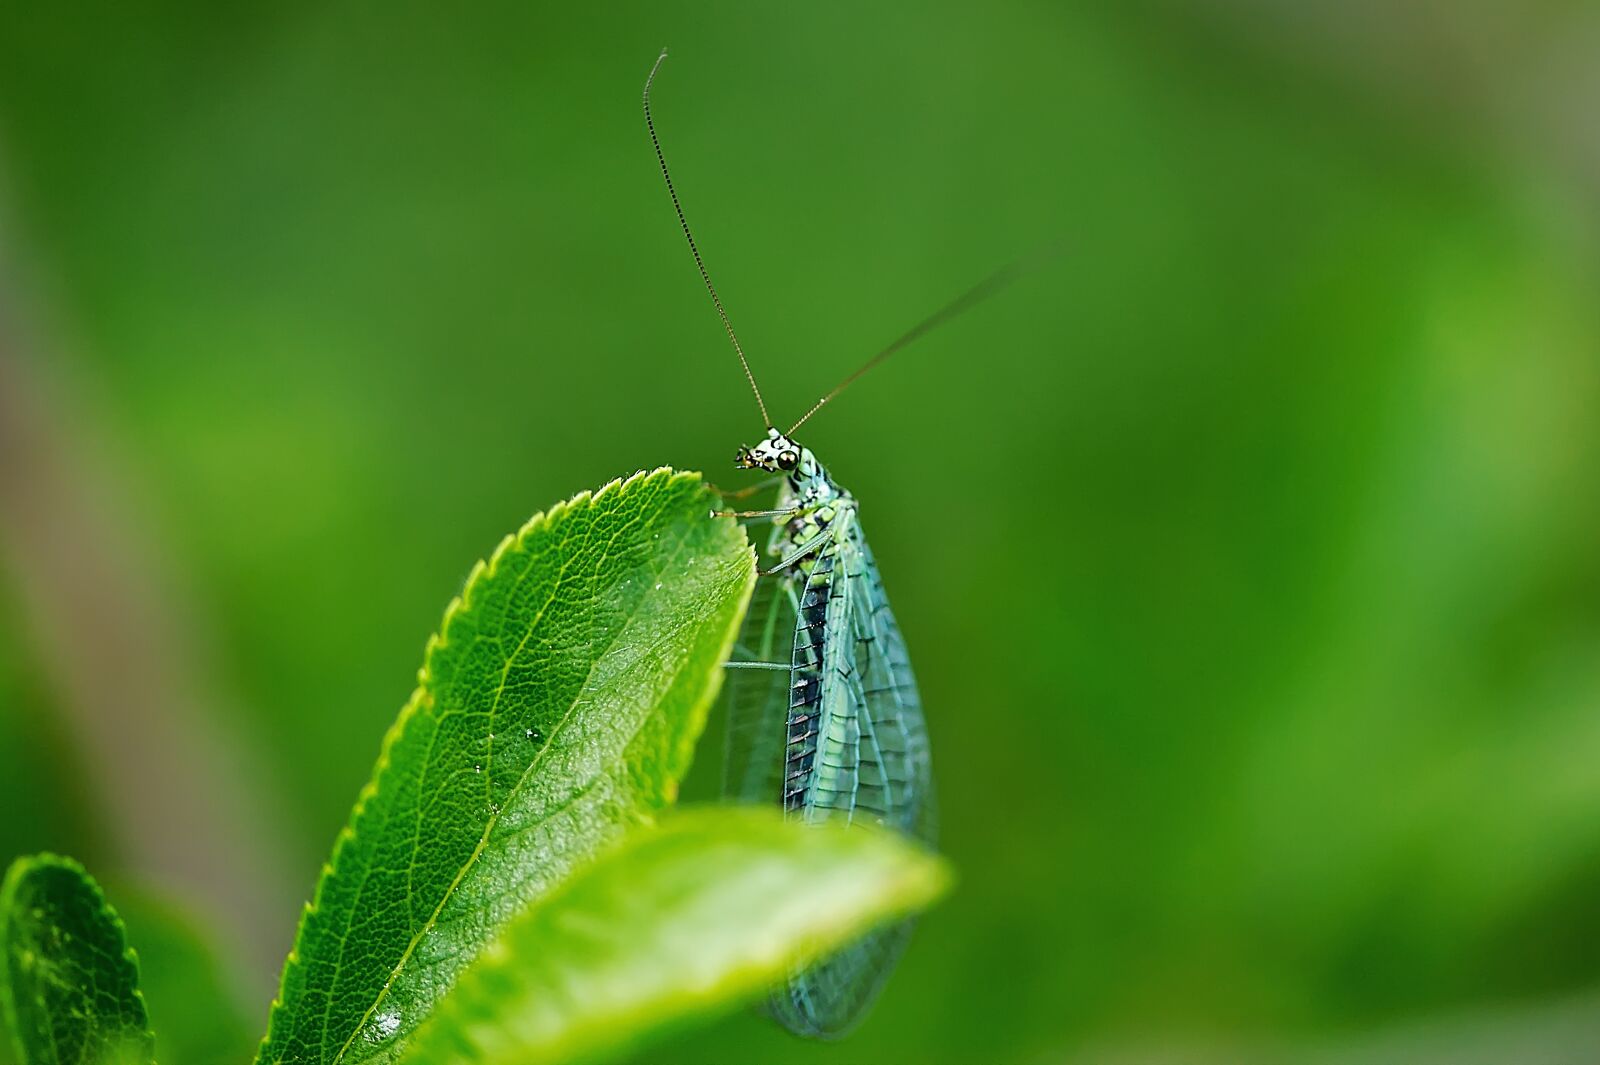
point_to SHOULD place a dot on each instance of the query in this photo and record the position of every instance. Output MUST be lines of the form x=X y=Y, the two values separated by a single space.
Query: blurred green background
x=1249 y=553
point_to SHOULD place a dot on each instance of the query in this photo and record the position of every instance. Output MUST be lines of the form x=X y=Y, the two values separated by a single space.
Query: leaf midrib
x=477 y=849
x=494 y=817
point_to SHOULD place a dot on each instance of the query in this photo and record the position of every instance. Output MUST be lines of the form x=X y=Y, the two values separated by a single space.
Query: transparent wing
x=822 y=734
x=897 y=773
x=758 y=699
x=857 y=746
x=856 y=749
x=828 y=999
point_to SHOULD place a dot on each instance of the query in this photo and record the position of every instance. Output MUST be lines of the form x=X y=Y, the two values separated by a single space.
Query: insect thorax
x=816 y=498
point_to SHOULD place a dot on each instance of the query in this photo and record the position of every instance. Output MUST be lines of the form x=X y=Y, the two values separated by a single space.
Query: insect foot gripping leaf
x=557 y=707
x=682 y=920
x=69 y=985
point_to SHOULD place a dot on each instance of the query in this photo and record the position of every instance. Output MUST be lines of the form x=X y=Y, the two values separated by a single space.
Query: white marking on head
x=777 y=454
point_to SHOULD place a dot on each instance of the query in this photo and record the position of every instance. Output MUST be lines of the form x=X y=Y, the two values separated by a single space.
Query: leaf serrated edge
x=19 y=869
x=482 y=570
x=486 y=569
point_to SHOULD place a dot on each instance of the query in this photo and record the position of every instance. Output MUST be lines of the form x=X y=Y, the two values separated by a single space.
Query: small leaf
x=558 y=707
x=711 y=908
x=69 y=985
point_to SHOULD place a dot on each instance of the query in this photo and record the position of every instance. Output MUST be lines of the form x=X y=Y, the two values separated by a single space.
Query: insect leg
x=754 y=513
x=810 y=545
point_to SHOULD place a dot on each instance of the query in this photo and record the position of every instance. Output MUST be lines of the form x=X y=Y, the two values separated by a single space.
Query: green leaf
x=557 y=708
x=711 y=908
x=69 y=985
x=187 y=992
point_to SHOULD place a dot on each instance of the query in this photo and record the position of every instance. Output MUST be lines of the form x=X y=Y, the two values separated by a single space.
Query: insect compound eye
x=787 y=460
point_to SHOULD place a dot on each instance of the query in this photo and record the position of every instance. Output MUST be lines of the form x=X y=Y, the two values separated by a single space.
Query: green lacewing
x=824 y=714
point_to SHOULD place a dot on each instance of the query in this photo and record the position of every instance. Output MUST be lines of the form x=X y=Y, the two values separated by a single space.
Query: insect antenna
x=693 y=248
x=964 y=302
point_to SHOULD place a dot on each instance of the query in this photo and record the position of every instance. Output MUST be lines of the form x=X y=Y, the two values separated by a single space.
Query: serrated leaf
x=558 y=707
x=711 y=908
x=69 y=985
